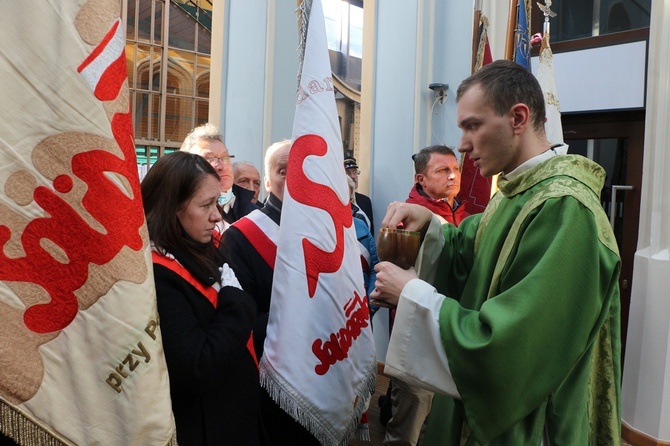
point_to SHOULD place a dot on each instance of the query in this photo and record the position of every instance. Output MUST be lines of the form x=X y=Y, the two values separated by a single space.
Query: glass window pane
x=204 y=41
x=344 y=12
x=356 y=32
x=618 y=15
x=130 y=20
x=158 y=23
x=156 y=73
x=153 y=154
x=142 y=157
x=333 y=17
x=180 y=73
x=155 y=117
x=166 y=111
x=141 y=154
x=141 y=115
x=201 y=112
x=202 y=77
x=178 y=117
x=574 y=19
x=144 y=20
x=130 y=64
x=143 y=61
x=344 y=29
x=182 y=29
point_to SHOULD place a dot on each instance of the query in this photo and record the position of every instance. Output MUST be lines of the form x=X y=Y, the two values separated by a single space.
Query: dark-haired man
x=437 y=182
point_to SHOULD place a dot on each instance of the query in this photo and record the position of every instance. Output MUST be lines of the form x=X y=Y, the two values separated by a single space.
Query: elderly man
x=521 y=333
x=246 y=246
x=247 y=176
x=207 y=141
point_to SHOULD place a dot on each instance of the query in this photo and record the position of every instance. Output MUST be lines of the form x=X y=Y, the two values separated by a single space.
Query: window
x=344 y=30
x=578 y=19
x=169 y=85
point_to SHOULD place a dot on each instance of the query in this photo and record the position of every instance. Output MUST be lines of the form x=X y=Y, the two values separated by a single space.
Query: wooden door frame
x=629 y=125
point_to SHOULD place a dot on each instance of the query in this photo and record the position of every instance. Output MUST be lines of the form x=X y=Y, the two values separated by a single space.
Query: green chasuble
x=531 y=323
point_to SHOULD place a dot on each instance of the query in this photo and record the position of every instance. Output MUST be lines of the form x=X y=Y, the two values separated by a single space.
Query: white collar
x=529 y=164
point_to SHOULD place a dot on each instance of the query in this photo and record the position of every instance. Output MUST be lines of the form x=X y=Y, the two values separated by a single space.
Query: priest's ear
x=520 y=116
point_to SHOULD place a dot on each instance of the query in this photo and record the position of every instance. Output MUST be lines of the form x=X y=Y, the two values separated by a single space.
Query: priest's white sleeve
x=431 y=249
x=416 y=354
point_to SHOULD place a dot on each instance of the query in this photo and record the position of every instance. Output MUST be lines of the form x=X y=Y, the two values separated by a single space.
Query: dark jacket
x=213 y=377
x=242 y=205
x=255 y=276
x=439 y=207
x=364 y=204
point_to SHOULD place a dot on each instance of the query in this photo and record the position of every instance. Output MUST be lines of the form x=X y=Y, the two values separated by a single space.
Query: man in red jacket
x=438 y=181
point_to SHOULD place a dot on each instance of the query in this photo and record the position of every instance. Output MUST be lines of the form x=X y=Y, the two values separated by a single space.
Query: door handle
x=615 y=189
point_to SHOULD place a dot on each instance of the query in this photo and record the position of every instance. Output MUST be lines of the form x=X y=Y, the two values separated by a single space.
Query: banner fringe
x=295 y=405
x=24 y=431
x=27 y=432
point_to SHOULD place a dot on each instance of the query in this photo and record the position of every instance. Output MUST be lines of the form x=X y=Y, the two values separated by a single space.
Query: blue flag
x=522 y=37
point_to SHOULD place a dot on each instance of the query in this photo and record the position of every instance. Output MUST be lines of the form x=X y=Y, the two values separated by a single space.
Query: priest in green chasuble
x=513 y=317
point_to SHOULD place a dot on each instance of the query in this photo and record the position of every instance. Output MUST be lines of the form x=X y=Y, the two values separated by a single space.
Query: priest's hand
x=411 y=217
x=391 y=280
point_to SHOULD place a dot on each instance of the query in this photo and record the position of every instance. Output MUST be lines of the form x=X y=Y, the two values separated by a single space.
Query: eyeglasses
x=356 y=171
x=223 y=160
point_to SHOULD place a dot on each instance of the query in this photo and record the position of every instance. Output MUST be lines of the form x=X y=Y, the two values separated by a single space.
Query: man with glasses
x=207 y=141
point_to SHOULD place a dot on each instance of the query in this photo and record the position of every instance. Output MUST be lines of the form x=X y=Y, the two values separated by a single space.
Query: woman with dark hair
x=205 y=317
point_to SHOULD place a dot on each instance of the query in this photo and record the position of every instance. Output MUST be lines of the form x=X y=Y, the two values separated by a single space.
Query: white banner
x=81 y=359
x=319 y=361
x=545 y=76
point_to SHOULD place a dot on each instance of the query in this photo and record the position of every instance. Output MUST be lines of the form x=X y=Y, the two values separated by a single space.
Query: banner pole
x=511 y=29
x=475 y=34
